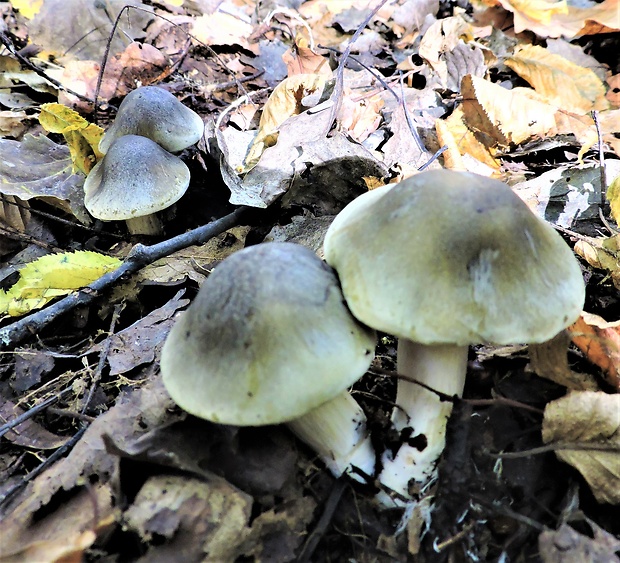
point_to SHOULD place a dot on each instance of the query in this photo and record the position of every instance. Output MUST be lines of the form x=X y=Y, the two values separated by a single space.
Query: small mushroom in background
x=133 y=181
x=269 y=340
x=443 y=260
x=155 y=113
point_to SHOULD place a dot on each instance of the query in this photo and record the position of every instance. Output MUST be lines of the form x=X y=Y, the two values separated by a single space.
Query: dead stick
x=140 y=256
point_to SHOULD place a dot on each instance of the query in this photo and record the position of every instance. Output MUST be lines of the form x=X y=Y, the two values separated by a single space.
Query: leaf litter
x=145 y=481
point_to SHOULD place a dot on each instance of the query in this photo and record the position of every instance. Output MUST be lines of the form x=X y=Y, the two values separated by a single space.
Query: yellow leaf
x=27 y=8
x=564 y=84
x=613 y=196
x=52 y=276
x=82 y=137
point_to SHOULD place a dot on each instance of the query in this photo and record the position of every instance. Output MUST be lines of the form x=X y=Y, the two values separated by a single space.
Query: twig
x=103 y=356
x=139 y=257
x=336 y=96
x=319 y=530
x=579 y=446
x=32 y=412
x=111 y=36
x=8 y=494
x=602 y=195
x=26 y=62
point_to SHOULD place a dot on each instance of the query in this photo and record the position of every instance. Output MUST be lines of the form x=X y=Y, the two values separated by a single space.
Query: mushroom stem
x=146 y=225
x=442 y=367
x=336 y=430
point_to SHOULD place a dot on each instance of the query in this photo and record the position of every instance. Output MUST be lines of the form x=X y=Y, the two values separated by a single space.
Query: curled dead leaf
x=591 y=419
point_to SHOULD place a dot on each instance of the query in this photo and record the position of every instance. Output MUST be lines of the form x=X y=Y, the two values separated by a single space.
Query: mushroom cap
x=135 y=178
x=155 y=113
x=267 y=339
x=449 y=257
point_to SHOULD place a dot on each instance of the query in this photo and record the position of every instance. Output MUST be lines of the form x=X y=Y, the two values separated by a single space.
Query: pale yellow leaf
x=27 y=8
x=52 y=276
x=560 y=82
x=591 y=419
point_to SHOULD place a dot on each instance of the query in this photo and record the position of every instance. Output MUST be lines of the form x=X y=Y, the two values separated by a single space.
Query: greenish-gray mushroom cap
x=155 y=113
x=134 y=179
x=448 y=257
x=267 y=339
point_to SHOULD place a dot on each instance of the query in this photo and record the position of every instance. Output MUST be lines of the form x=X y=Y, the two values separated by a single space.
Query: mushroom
x=155 y=113
x=269 y=340
x=443 y=260
x=134 y=180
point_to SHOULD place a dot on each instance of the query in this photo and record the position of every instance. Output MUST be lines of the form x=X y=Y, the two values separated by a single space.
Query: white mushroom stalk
x=337 y=432
x=443 y=368
x=269 y=340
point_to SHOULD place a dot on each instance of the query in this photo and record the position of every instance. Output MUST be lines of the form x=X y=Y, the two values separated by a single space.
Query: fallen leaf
x=82 y=137
x=593 y=419
x=28 y=434
x=12 y=123
x=142 y=341
x=197 y=520
x=507 y=116
x=560 y=82
x=301 y=59
x=286 y=100
x=27 y=8
x=550 y=360
x=52 y=276
x=566 y=545
x=222 y=28
x=599 y=340
x=534 y=14
x=37 y=167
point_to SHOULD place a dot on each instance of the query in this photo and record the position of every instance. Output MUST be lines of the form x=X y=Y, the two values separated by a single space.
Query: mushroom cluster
x=269 y=340
x=138 y=175
x=443 y=260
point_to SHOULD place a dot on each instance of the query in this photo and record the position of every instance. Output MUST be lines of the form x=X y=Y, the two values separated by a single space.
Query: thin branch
x=29 y=64
x=336 y=96
x=139 y=257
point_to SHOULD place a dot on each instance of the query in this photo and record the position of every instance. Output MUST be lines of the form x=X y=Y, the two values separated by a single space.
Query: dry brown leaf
x=593 y=419
x=221 y=28
x=599 y=340
x=301 y=59
x=566 y=545
x=199 y=520
x=28 y=434
x=359 y=118
x=507 y=116
x=562 y=83
x=139 y=62
x=613 y=94
x=12 y=123
x=549 y=360
x=551 y=18
x=460 y=140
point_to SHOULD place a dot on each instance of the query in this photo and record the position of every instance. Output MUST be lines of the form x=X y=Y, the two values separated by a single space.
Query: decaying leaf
x=593 y=419
x=566 y=545
x=142 y=341
x=600 y=342
x=28 y=434
x=603 y=253
x=137 y=412
x=82 y=137
x=37 y=167
x=549 y=360
x=52 y=276
x=199 y=521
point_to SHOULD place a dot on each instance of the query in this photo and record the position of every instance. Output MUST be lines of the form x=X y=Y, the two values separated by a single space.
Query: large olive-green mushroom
x=268 y=340
x=133 y=181
x=155 y=113
x=443 y=260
